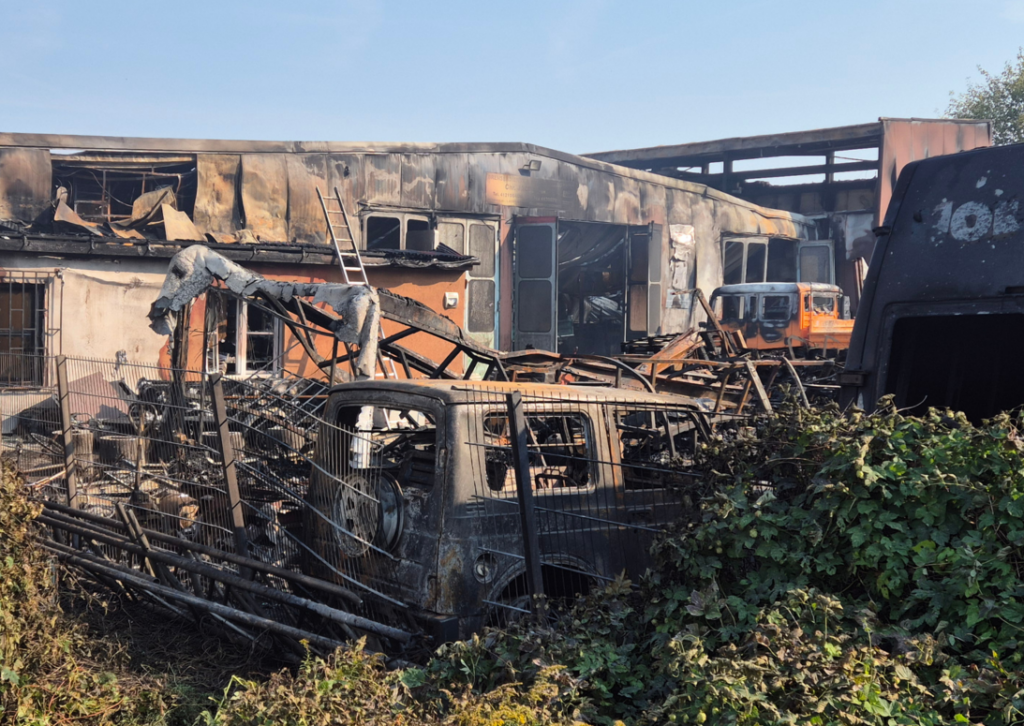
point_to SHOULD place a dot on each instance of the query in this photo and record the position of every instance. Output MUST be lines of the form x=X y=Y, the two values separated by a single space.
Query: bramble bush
x=843 y=569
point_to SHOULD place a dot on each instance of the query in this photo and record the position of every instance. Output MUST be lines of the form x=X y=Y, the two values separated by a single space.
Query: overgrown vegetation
x=51 y=670
x=844 y=570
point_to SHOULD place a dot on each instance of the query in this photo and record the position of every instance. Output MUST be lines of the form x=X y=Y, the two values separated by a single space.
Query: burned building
x=841 y=179
x=520 y=245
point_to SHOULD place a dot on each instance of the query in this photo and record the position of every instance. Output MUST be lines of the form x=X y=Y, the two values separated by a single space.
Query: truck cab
x=804 y=316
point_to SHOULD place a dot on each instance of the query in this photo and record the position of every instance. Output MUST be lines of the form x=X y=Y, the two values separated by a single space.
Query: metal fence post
x=227 y=457
x=524 y=488
x=64 y=398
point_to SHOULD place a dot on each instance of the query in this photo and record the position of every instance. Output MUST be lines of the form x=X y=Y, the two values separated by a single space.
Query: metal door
x=535 y=287
x=478 y=238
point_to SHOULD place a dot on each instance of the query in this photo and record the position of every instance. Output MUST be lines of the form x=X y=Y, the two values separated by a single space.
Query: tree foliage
x=998 y=97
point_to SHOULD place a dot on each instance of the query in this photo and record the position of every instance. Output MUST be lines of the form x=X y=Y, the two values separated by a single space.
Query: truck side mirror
x=846 y=307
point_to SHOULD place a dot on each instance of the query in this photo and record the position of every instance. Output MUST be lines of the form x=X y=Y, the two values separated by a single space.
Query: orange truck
x=800 y=316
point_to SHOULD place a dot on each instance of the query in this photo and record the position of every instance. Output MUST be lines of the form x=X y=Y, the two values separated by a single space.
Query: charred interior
x=931 y=364
x=103 y=187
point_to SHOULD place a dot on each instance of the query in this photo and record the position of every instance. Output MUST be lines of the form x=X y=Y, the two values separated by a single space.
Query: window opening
x=814 y=264
x=756 y=258
x=383 y=233
x=775 y=307
x=823 y=304
x=648 y=458
x=560 y=447
x=732 y=269
x=22 y=332
x=400 y=441
x=781 y=260
x=732 y=307
x=244 y=338
x=418 y=235
x=452 y=235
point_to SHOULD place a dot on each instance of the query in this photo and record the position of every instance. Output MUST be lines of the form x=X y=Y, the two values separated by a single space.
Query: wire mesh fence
x=605 y=472
x=30 y=418
x=390 y=508
x=144 y=451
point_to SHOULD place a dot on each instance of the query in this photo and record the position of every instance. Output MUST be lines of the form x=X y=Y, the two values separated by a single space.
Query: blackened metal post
x=227 y=456
x=524 y=488
x=64 y=394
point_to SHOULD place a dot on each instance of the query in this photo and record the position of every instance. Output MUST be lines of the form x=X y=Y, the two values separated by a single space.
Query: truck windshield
x=775 y=307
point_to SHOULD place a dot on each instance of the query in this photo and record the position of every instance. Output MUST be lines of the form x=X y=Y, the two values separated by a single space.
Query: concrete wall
x=100 y=305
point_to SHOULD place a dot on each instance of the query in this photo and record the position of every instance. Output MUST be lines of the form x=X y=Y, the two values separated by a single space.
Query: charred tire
x=344 y=517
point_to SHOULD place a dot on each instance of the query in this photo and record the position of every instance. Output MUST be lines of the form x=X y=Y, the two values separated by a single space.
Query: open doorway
x=577 y=284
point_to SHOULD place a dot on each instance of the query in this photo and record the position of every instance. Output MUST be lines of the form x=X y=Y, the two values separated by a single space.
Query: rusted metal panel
x=452 y=185
x=25 y=179
x=65 y=216
x=306 y=221
x=216 y=209
x=418 y=171
x=907 y=140
x=178 y=227
x=265 y=196
x=382 y=179
x=745 y=147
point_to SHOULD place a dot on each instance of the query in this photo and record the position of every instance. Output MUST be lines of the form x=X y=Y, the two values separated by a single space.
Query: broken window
x=732 y=268
x=646 y=452
x=560 y=451
x=383 y=233
x=775 y=307
x=418 y=235
x=744 y=261
x=981 y=379
x=757 y=254
x=732 y=307
x=815 y=264
x=781 y=260
x=102 y=186
x=22 y=331
x=452 y=235
x=400 y=441
x=244 y=338
x=823 y=304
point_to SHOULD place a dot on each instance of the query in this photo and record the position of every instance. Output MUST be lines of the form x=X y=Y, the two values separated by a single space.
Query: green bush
x=844 y=570
x=51 y=670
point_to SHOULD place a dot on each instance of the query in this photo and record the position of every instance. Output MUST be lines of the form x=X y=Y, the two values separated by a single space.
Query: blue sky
x=572 y=75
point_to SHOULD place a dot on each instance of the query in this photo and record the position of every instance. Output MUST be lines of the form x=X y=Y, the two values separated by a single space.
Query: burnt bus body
x=941 y=319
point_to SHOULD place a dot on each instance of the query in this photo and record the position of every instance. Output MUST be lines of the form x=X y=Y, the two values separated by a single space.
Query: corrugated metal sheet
x=25 y=183
x=906 y=140
x=265 y=196
x=306 y=220
x=216 y=208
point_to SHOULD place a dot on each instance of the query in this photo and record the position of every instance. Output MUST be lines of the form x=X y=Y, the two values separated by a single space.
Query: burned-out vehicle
x=941 y=318
x=795 y=316
x=413 y=496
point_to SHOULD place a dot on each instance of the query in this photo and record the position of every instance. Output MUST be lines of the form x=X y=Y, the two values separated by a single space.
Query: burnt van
x=413 y=501
x=941 y=318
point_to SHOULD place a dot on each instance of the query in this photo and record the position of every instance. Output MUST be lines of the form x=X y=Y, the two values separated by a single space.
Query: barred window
x=22 y=328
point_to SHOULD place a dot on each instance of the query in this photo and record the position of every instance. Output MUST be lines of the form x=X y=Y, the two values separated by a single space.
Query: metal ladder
x=339 y=229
